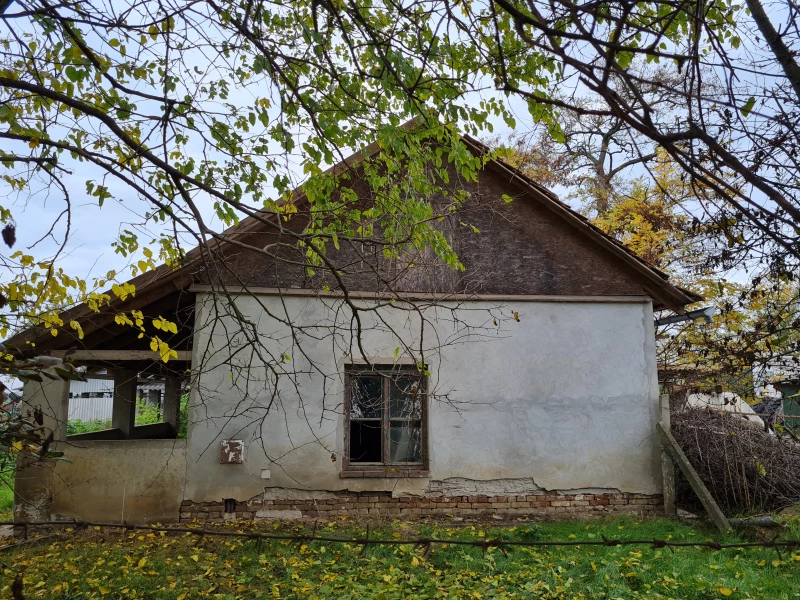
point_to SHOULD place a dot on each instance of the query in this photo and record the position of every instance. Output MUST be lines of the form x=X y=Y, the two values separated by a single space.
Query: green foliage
x=183 y=423
x=147 y=413
x=7 y=473
x=75 y=426
x=285 y=80
x=184 y=567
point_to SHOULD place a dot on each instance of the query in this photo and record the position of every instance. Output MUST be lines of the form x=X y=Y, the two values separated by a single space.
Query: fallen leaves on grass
x=109 y=565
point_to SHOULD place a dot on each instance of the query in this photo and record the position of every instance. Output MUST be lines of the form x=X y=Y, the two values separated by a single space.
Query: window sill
x=384 y=473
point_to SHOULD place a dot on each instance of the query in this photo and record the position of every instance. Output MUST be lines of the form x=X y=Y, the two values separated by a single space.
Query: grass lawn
x=109 y=564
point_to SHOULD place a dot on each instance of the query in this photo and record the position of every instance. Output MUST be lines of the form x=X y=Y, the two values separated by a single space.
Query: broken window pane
x=405 y=397
x=365 y=441
x=366 y=400
x=405 y=442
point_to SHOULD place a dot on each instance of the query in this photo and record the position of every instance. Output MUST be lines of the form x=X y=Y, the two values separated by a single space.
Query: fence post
x=667 y=466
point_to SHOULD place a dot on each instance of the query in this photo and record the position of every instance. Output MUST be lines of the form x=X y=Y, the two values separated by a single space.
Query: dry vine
x=746 y=468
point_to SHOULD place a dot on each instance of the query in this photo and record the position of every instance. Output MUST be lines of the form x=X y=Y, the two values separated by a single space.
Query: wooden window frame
x=384 y=469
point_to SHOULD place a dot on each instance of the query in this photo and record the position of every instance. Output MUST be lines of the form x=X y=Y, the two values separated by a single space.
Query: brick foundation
x=381 y=505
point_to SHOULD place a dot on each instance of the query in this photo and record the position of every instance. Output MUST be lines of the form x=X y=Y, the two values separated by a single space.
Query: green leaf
x=7 y=113
x=68 y=374
x=72 y=73
x=748 y=106
x=26 y=375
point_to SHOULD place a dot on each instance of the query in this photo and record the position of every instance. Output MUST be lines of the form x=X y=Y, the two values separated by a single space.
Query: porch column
x=123 y=413
x=52 y=396
x=172 y=401
x=32 y=489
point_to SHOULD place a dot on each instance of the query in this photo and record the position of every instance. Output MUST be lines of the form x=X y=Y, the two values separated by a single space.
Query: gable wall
x=522 y=249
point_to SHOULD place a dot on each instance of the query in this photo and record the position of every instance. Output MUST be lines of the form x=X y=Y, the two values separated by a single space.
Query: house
x=525 y=384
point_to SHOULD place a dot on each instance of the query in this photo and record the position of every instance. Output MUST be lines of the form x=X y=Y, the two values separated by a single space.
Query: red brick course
x=383 y=505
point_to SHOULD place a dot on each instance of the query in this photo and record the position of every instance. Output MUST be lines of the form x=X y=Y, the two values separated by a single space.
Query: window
x=385 y=431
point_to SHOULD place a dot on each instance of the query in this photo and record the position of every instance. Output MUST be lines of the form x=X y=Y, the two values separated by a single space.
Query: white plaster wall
x=133 y=481
x=564 y=399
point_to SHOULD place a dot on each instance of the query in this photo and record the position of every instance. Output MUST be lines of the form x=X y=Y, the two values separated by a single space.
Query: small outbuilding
x=524 y=383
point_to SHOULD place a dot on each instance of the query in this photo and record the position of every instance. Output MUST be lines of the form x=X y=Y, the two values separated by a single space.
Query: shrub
x=146 y=413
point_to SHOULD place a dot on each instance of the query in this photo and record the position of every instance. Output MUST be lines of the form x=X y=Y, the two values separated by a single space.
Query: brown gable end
x=522 y=247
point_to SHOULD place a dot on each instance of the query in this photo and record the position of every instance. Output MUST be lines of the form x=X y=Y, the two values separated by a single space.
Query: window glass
x=366 y=399
x=405 y=397
x=405 y=442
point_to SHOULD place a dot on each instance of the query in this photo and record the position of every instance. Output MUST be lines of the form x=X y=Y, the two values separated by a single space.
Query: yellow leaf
x=776 y=562
x=182 y=596
x=415 y=562
x=33 y=143
x=725 y=591
x=195 y=558
x=105 y=590
x=142 y=562
x=387 y=578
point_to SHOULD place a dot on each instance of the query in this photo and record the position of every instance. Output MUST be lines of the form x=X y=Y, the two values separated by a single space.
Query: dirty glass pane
x=405 y=397
x=405 y=442
x=365 y=441
x=366 y=401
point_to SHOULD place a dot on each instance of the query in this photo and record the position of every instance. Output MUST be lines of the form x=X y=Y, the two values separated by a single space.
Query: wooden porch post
x=667 y=466
x=123 y=413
